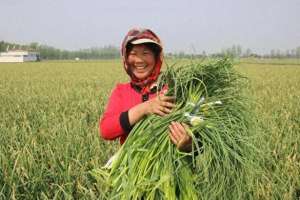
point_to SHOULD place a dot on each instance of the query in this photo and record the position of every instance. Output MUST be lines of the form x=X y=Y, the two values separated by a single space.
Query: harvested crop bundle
x=209 y=98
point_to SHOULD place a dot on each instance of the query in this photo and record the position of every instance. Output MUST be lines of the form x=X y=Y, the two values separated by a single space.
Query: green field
x=49 y=138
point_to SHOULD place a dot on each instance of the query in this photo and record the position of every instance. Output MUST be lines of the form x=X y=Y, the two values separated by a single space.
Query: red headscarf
x=132 y=35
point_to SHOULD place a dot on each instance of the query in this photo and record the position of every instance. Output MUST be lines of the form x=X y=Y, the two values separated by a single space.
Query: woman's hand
x=160 y=105
x=180 y=137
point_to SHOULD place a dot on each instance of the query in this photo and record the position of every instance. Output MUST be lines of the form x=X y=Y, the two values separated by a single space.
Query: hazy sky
x=189 y=25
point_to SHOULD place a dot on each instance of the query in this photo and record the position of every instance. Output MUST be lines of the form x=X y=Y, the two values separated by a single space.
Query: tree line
x=236 y=51
x=112 y=52
x=51 y=53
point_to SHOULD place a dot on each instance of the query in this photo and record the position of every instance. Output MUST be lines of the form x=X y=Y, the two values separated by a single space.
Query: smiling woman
x=142 y=54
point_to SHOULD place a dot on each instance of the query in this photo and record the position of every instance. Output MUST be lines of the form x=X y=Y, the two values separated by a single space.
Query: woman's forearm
x=160 y=105
x=136 y=113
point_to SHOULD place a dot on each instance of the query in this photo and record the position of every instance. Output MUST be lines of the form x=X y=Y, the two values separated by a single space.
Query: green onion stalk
x=222 y=163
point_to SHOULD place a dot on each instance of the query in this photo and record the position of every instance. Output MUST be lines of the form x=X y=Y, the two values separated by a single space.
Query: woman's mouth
x=140 y=68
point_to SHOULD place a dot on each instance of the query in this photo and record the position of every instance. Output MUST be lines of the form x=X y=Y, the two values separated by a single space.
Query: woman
x=142 y=54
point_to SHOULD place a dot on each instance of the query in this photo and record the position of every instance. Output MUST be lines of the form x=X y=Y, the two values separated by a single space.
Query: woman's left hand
x=180 y=137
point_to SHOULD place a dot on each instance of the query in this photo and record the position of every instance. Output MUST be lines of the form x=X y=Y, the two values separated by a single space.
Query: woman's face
x=141 y=61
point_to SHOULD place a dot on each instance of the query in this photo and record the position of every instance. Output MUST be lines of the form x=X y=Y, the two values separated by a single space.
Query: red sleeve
x=110 y=127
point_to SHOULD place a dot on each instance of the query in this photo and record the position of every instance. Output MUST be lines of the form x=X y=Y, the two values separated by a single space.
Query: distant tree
x=248 y=52
x=238 y=50
x=272 y=53
x=181 y=54
x=298 y=52
x=288 y=53
x=33 y=46
x=278 y=53
x=2 y=46
x=293 y=53
x=233 y=51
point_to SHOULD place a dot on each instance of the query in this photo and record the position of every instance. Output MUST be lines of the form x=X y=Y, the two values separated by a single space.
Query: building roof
x=18 y=53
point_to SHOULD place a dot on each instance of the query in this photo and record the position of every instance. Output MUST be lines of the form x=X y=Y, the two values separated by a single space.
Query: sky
x=192 y=26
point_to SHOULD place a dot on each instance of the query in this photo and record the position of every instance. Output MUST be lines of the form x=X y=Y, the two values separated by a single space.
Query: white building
x=19 y=56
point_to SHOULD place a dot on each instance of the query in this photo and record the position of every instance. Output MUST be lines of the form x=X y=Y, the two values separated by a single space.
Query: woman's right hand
x=160 y=105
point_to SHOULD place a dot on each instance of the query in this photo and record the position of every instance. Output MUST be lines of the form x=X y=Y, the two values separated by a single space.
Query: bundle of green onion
x=209 y=98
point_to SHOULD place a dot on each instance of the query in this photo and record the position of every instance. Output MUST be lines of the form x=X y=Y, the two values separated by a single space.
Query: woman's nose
x=139 y=59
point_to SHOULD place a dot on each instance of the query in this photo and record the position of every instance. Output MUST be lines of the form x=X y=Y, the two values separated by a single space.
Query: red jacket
x=114 y=122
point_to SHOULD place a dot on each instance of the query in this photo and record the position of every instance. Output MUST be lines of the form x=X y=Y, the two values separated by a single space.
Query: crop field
x=49 y=139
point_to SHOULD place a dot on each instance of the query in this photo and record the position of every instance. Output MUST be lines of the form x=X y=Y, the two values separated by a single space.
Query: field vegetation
x=49 y=140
